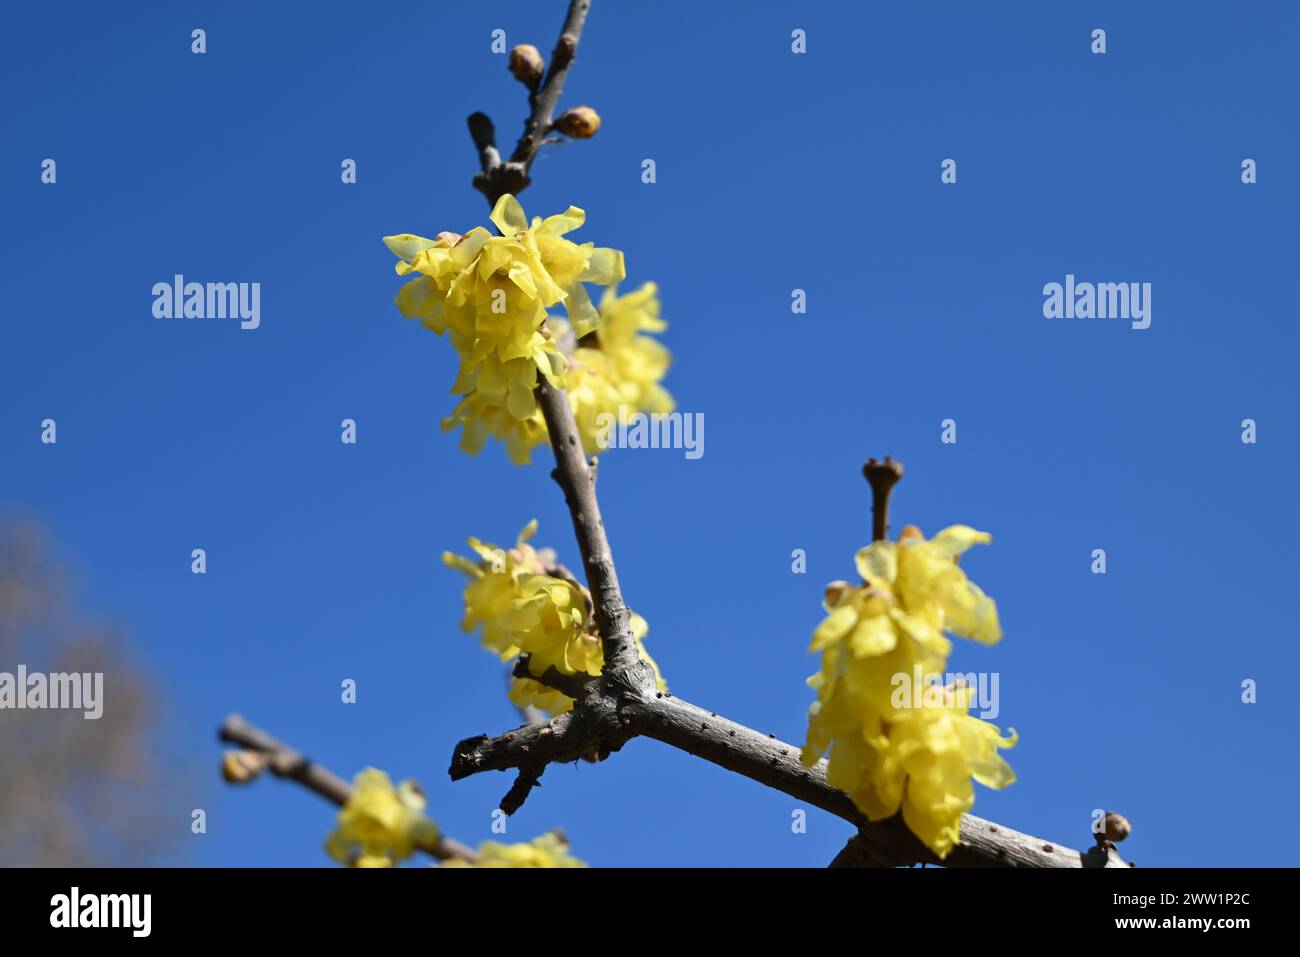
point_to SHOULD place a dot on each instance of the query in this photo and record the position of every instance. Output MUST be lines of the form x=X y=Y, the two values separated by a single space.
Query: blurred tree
x=73 y=792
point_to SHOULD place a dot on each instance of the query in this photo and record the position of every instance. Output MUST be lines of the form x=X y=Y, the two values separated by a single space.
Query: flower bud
x=240 y=767
x=447 y=238
x=581 y=122
x=835 y=591
x=1115 y=827
x=910 y=531
x=526 y=64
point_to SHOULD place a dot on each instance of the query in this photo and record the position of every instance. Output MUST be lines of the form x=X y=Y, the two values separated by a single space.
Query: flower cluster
x=914 y=752
x=616 y=366
x=380 y=824
x=522 y=607
x=549 y=850
x=491 y=295
x=611 y=367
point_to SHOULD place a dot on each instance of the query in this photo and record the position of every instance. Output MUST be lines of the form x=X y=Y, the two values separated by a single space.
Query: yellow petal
x=604 y=267
x=407 y=246
x=582 y=314
x=873 y=636
x=561 y=223
x=834 y=627
x=508 y=216
x=956 y=539
x=878 y=563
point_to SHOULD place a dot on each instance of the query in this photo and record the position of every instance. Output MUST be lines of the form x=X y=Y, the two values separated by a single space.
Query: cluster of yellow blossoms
x=549 y=850
x=918 y=751
x=381 y=825
x=616 y=366
x=490 y=295
x=522 y=610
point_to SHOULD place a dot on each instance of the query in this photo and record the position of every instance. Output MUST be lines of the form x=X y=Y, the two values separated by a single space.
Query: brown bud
x=581 y=122
x=240 y=767
x=1115 y=827
x=835 y=591
x=909 y=531
x=526 y=64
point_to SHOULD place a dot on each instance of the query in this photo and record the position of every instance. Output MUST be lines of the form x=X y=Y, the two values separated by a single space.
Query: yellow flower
x=505 y=588
x=521 y=610
x=917 y=751
x=480 y=418
x=616 y=366
x=927 y=580
x=492 y=292
x=490 y=295
x=549 y=850
x=380 y=825
x=613 y=366
x=525 y=691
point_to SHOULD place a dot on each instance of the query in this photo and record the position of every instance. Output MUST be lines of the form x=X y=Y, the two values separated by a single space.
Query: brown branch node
x=882 y=477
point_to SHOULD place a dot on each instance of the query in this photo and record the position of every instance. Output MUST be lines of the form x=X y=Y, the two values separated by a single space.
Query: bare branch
x=576 y=686
x=484 y=135
x=577 y=481
x=286 y=762
x=496 y=177
x=882 y=476
x=543 y=102
x=529 y=778
x=772 y=762
x=566 y=737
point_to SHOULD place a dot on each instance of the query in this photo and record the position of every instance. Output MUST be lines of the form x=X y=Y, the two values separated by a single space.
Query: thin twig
x=484 y=135
x=538 y=123
x=496 y=177
x=286 y=762
x=882 y=477
x=575 y=478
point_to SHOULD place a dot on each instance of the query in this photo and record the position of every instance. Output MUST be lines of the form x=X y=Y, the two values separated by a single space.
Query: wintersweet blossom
x=490 y=293
x=617 y=367
x=922 y=757
x=549 y=850
x=521 y=609
x=380 y=824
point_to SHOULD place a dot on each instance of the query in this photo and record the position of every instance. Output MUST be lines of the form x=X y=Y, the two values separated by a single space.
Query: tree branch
x=543 y=102
x=769 y=761
x=576 y=478
x=577 y=481
x=882 y=477
x=496 y=177
x=576 y=686
x=285 y=762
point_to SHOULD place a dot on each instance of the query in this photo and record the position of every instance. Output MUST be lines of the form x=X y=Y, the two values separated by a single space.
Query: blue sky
x=775 y=171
